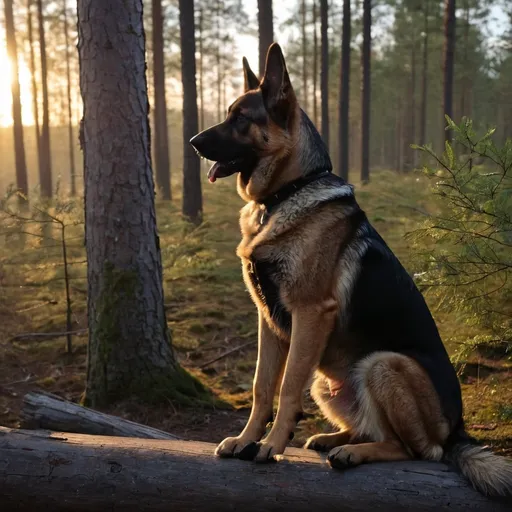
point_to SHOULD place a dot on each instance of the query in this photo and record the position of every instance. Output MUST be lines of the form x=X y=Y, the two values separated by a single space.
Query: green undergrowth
x=210 y=312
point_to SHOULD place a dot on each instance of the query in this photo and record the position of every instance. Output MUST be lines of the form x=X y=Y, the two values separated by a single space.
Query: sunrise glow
x=5 y=89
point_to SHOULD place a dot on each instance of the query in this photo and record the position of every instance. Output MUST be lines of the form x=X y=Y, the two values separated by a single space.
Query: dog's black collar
x=271 y=202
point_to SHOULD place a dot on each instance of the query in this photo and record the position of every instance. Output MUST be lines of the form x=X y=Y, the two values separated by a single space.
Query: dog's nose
x=207 y=143
x=197 y=141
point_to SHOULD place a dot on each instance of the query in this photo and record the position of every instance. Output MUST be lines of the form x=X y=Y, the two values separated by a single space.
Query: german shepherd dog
x=334 y=303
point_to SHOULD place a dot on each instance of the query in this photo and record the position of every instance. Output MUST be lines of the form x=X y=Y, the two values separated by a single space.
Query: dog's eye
x=242 y=122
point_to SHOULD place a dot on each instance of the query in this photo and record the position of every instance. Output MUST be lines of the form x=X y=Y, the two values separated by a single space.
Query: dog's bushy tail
x=488 y=473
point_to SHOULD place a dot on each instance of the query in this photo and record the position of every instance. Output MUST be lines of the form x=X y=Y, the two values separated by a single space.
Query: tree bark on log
x=62 y=472
x=47 y=411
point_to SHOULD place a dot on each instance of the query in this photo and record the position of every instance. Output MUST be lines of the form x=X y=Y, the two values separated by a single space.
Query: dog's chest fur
x=290 y=258
x=268 y=268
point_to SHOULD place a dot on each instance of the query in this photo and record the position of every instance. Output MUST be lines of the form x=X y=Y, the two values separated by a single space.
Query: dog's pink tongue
x=211 y=173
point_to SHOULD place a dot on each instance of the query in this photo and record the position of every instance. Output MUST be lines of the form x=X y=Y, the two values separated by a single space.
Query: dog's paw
x=236 y=447
x=342 y=457
x=267 y=452
x=258 y=452
x=319 y=443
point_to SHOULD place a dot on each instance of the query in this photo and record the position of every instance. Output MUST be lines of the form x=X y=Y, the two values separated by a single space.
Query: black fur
x=265 y=278
x=388 y=312
x=313 y=151
x=288 y=190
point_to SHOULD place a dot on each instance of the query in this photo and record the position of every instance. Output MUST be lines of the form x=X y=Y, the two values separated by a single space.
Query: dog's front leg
x=271 y=356
x=311 y=327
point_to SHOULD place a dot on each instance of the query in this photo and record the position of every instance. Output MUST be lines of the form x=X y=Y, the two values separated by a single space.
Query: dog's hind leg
x=332 y=408
x=346 y=456
x=325 y=442
x=398 y=408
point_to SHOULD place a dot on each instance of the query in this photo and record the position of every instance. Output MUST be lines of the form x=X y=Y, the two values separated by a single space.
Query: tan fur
x=271 y=358
x=397 y=401
x=388 y=398
x=311 y=328
x=293 y=235
x=287 y=238
x=355 y=454
x=325 y=442
x=278 y=164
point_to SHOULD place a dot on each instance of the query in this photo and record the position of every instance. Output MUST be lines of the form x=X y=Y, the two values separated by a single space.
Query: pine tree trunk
x=465 y=109
x=129 y=345
x=305 y=92
x=424 y=88
x=354 y=143
x=200 y=71
x=265 y=30
x=315 y=64
x=449 y=53
x=365 y=91
x=33 y=80
x=192 y=195
x=398 y=137
x=324 y=72
x=162 y=161
x=72 y=166
x=218 y=62
x=412 y=135
x=401 y=139
x=224 y=95
x=45 y=177
x=19 y=145
x=344 y=92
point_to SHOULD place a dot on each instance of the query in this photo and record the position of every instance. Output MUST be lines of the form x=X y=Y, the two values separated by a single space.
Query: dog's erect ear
x=278 y=94
x=251 y=81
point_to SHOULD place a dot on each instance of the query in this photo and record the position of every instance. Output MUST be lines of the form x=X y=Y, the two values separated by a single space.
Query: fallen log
x=50 y=412
x=40 y=470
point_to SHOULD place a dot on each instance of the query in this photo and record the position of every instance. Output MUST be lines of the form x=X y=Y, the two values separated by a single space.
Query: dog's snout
x=197 y=140
x=211 y=143
x=207 y=143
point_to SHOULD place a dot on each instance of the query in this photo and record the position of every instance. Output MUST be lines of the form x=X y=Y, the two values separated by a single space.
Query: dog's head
x=259 y=133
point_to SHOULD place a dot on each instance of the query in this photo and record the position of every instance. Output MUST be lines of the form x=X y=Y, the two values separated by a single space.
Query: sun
x=5 y=88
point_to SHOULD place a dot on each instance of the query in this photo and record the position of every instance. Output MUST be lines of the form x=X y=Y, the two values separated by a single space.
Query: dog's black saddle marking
x=262 y=275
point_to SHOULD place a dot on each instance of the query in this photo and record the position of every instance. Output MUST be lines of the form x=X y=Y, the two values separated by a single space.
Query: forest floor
x=210 y=313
